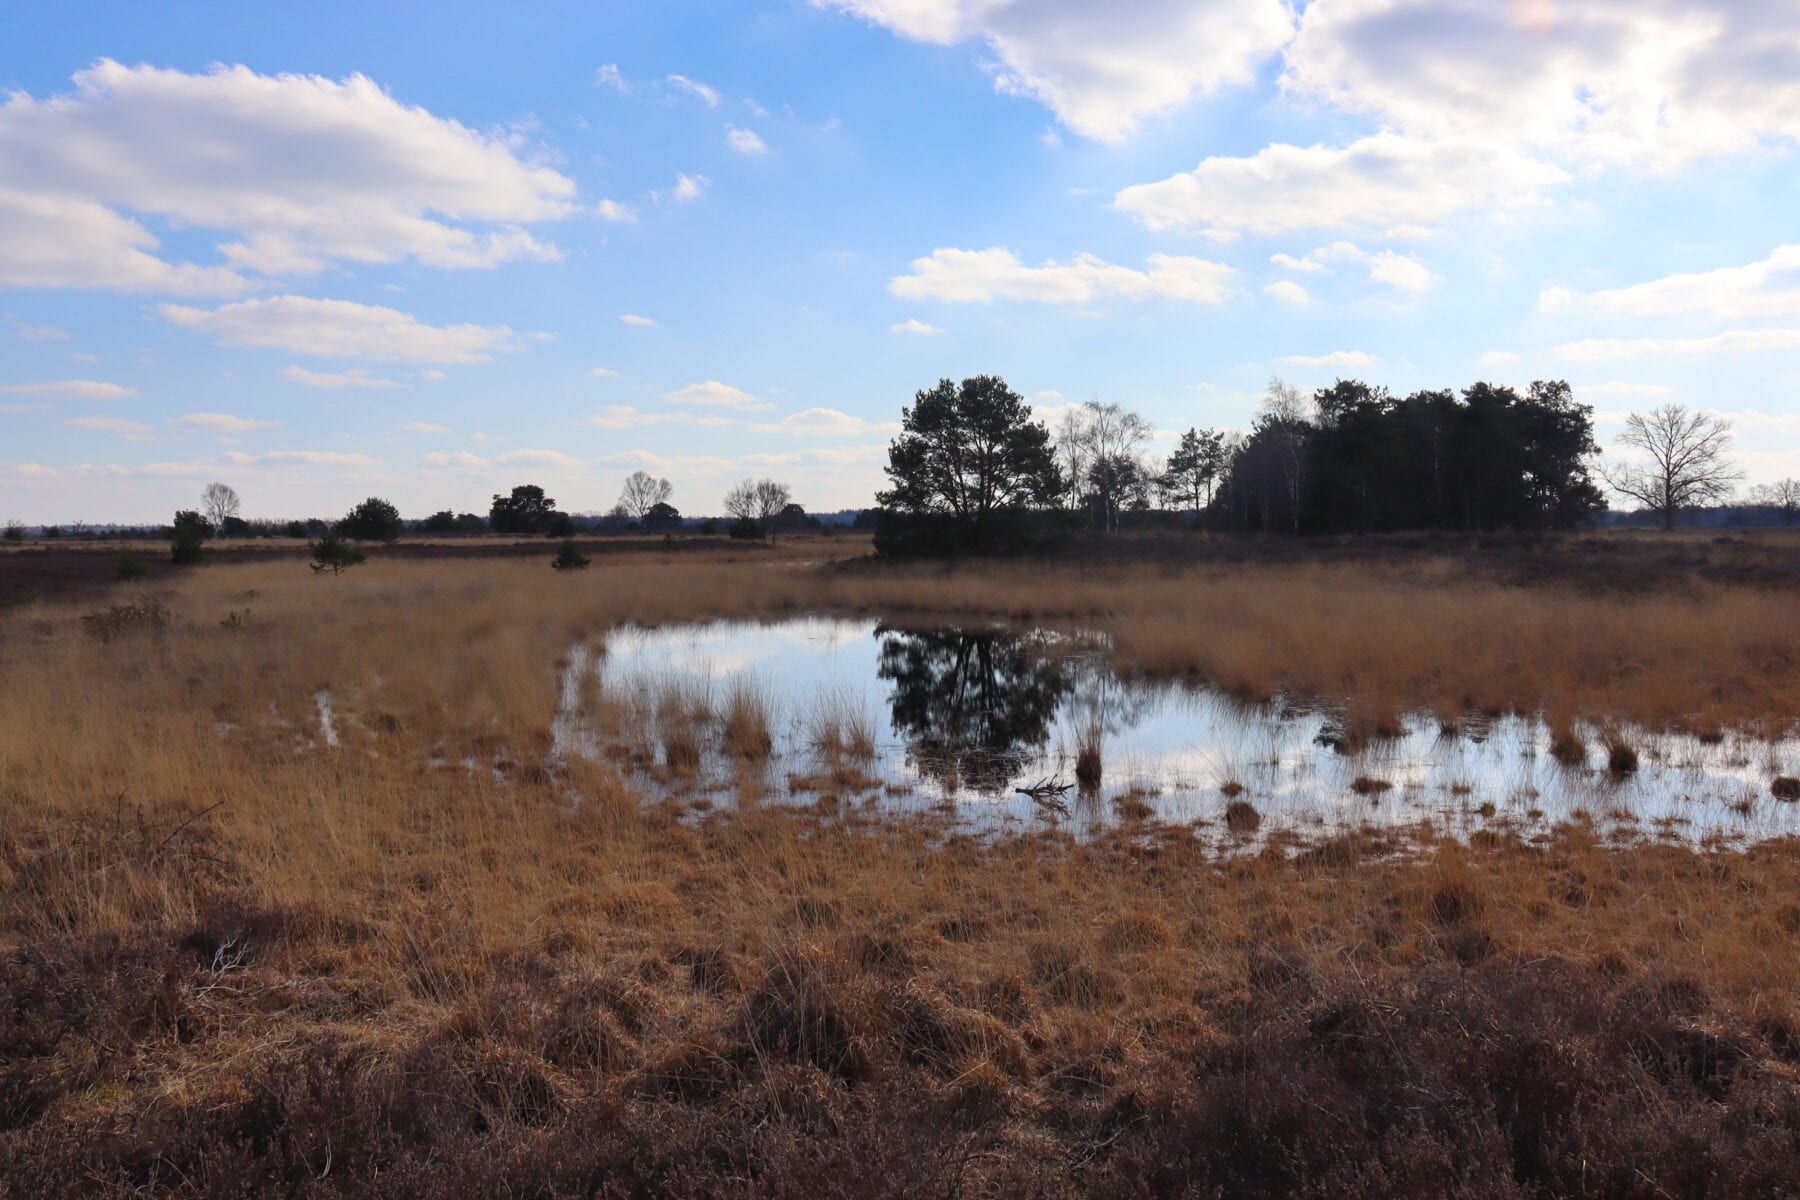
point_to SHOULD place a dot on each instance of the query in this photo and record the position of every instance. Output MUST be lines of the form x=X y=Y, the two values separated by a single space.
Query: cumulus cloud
x=603 y=373
x=1386 y=181
x=610 y=76
x=40 y=333
x=1289 y=291
x=1733 y=341
x=745 y=141
x=296 y=171
x=1303 y=265
x=619 y=214
x=689 y=188
x=422 y=427
x=343 y=329
x=453 y=458
x=71 y=389
x=356 y=377
x=915 y=326
x=109 y=425
x=983 y=276
x=624 y=416
x=637 y=322
x=713 y=394
x=1619 y=387
x=1102 y=69
x=1769 y=287
x=1337 y=358
x=826 y=422
x=1495 y=360
x=216 y=422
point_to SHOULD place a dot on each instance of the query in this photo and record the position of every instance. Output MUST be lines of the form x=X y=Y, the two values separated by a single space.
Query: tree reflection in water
x=975 y=706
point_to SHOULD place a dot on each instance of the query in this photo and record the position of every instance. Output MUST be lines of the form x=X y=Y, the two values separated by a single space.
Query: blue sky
x=431 y=251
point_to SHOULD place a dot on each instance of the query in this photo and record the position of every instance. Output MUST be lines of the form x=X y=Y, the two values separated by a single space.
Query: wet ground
x=991 y=724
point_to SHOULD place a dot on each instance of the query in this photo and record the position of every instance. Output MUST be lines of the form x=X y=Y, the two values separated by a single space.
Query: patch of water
x=974 y=717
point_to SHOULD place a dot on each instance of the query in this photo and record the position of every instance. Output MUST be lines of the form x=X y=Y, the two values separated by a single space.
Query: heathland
x=265 y=934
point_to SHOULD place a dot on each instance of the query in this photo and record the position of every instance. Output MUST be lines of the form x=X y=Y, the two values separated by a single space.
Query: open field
x=257 y=943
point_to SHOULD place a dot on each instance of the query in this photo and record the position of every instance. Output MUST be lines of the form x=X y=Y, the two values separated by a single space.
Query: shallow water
x=965 y=717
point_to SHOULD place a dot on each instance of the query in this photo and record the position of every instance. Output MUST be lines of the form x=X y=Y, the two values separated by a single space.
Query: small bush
x=1785 y=787
x=332 y=553
x=1621 y=758
x=569 y=557
x=130 y=566
x=1364 y=785
x=188 y=537
x=126 y=620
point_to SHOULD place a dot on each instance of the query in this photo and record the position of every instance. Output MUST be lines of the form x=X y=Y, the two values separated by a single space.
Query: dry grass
x=241 y=961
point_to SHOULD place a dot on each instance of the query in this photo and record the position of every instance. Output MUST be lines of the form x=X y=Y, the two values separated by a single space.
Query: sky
x=431 y=251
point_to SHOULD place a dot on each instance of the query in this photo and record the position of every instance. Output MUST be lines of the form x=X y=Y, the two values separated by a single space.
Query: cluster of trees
x=971 y=469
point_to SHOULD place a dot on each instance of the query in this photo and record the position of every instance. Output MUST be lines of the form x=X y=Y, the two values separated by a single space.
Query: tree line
x=972 y=468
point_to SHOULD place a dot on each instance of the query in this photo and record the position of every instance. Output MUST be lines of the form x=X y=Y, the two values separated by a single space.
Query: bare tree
x=1686 y=461
x=643 y=492
x=1783 y=496
x=758 y=500
x=1099 y=448
x=1284 y=422
x=218 y=501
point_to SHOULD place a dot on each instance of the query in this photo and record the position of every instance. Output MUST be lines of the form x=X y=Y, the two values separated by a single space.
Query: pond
x=990 y=726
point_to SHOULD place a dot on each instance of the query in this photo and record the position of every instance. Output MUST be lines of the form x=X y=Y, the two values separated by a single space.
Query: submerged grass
x=243 y=962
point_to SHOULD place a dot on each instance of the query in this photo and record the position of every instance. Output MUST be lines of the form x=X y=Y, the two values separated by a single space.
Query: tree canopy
x=374 y=520
x=526 y=510
x=968 y=451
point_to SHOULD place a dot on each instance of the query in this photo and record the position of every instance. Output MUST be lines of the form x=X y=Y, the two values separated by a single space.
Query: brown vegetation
x=242 y=960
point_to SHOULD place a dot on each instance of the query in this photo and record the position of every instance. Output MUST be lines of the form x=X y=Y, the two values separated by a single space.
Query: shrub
x=15 y=532
x=130 y=566
x=569 y=556
x=188 y=537
x=1785 y=787
x=126 y=620
x=332 y=553
x=1241 y=818
x=745 y=529
x=374 y=520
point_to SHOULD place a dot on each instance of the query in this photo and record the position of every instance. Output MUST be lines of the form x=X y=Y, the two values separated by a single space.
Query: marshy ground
x=246 y=958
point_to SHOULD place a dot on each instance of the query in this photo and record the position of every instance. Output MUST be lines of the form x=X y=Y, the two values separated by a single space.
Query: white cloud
x=745 y=141
x=914 y=325
x=1304 y=265
x=14 y=410
x=1495 y=360
x=1385 y=181
x=214 y=422
x=356 y=377
x=295 y=171
x=826 y=422
x=71 y=389
x=610 y=76
x=982 y=276
x=454 y=458
x=637 y=322
x=1337 y=358
x=310 y=458
x=41 y=333
x=693 y=87
x=620 y=214
x=624 y=416
x=1103 y=69
x=1288 y=290
x=343 y=329
x=1555 y=299
x=1734 y=341
x=1766 y=288
x=539 y=458
x=689 y=188
x=1648 y=82
x=422 y=427
x=713 y=394
x=603 y=373
x=108 y=425
x=432 y=373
